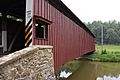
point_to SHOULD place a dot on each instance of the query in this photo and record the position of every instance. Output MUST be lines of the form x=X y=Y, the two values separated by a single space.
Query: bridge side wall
x=69 y=40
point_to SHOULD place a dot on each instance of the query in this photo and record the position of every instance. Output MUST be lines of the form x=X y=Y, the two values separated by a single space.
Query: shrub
x=104 y=52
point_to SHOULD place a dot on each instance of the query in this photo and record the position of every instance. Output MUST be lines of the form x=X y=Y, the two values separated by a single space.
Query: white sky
x=90 y=10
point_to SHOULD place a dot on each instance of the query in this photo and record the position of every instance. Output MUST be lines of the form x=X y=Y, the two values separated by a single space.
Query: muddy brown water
x=90 y=70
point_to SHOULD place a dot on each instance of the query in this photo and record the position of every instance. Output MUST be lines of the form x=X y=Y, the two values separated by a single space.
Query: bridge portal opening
x=12 y=23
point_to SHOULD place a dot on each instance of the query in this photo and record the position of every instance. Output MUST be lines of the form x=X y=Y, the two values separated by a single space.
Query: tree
x=111 y=31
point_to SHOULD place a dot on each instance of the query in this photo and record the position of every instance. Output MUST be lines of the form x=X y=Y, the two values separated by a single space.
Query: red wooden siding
x=68 y=39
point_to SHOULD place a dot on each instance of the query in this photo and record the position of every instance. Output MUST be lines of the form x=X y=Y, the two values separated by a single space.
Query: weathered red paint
x=68 y=38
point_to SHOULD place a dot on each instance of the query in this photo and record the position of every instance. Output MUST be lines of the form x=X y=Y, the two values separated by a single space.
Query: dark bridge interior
x=12 y=20
x=16 y=7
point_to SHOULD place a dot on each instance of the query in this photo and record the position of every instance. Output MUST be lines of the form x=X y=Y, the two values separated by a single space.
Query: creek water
x=90 y=70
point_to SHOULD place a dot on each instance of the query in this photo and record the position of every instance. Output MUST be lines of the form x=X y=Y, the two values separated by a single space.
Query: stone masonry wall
x=33 y=63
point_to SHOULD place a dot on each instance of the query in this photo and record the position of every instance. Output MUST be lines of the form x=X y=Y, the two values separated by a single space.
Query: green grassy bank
x=110 y=53
x=108 y=48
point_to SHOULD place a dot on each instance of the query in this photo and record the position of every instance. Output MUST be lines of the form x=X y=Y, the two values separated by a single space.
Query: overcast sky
x=90 y=10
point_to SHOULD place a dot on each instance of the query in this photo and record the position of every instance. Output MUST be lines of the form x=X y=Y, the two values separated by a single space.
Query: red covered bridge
x=47 y=22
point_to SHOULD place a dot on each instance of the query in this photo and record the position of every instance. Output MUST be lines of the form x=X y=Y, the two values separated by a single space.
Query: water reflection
x=108 y=78
x=96 y=71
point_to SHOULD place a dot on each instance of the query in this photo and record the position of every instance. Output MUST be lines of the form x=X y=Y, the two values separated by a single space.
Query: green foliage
x=111 y=53
x=104 y=52
x=71 y=66
x=111 y=31
x=105 y=56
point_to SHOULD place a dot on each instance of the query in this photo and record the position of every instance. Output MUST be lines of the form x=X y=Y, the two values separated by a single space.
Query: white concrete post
x=4 y=40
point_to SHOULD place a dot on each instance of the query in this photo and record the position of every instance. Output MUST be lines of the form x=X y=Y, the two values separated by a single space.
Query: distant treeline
x=111 y=31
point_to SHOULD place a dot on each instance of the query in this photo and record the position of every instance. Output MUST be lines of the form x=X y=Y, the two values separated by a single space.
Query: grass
x=105 y=57
x=110 y=53
x=108 y=48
